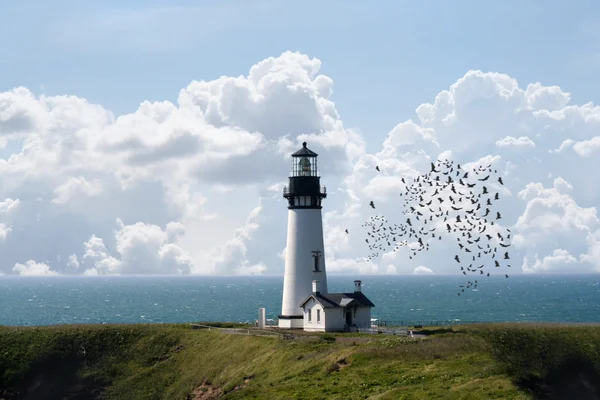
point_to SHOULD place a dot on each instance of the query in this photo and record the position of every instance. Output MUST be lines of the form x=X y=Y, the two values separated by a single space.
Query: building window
x=318 y=316
x=316 y=255
x=309 y=315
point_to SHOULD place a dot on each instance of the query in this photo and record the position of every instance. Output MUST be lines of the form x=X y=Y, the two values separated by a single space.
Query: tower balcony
x=304 y=190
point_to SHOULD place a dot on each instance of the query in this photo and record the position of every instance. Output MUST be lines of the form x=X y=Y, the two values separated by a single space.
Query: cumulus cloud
x=76 y=185
x=140 y=248
x=196 y=161
x=4 y=231
x=97 y=258
x=553 y=220
x=522 y=141
x=33 y=268
x=586 y=147
x=532 y=136
x=350 y=265
x=7 y=206
x=423 y=270
x=73 y=263
x=232 y=257
x=195 y=185
x=559 y=260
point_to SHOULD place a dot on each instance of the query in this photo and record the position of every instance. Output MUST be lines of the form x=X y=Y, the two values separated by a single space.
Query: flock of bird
x=448 y=201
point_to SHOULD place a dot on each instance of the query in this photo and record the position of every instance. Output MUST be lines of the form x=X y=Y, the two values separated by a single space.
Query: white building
x=336 y=312
x=306 y=303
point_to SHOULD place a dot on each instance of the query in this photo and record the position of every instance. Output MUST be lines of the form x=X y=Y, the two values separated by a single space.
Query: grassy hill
x=176 y=362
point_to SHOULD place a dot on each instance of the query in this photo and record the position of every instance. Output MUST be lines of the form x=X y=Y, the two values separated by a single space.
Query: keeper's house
x=336 y=312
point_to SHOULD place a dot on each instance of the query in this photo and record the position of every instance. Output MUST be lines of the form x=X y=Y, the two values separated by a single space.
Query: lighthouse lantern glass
x=305 y=167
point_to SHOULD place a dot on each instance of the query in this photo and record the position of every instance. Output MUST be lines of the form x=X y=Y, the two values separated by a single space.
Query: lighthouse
x=305 y=252
x=306 y=302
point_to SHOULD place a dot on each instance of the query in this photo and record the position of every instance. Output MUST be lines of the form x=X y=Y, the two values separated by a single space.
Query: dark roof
x=330 y=300
x=304 y=151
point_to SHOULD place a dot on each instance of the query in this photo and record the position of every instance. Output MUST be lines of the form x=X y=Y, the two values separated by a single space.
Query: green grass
x=502 y=361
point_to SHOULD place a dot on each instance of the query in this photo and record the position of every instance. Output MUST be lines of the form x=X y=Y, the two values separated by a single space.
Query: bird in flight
x=448 y=201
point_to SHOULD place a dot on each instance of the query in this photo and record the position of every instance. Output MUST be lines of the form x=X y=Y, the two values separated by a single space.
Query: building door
x=349 y=318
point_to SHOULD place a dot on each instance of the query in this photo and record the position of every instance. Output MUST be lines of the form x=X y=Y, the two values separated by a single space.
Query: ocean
x=398 y=299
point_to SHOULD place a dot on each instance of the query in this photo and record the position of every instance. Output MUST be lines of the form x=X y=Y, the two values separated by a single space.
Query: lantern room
x=304 y=162
x=304 y=189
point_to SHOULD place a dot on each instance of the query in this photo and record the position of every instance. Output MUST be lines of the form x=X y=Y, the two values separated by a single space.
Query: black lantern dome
x=304 y=190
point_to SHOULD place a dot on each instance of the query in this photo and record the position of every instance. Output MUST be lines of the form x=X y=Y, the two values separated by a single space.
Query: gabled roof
x=319 y=298
x=346 y=301
x=304 y=151
x=332 y=300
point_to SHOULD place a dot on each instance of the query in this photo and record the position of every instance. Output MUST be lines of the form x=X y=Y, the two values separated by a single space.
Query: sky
x=154 y=137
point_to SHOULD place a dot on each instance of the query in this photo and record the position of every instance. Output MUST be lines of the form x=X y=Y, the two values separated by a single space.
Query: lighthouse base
x=291 y=322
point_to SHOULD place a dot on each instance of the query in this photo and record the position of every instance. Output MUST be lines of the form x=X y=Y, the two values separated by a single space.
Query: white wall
x=291 y=323
x=304 y=234
x=314 y=325
x=362 y=318
x=285 y=323
x=335 y=319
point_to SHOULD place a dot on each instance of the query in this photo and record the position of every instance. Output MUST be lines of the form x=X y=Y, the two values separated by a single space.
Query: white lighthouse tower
x=305 y=253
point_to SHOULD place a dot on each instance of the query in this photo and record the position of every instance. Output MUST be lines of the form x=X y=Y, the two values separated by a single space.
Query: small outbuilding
x=337 y=312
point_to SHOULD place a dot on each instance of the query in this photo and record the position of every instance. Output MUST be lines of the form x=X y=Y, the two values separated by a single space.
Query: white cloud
x=141 y=248
x=73 y=262
x=75 y=185
x=97 y=259
x=559 y=259
x=587 y=147
x=4 y=230
x=232 y=256
x=349 y=265
x=423 y=270
x=522 y=141
x=553 y=222
x=31 y=268
x=7 y=206
x=183 y=179
x=487 y=116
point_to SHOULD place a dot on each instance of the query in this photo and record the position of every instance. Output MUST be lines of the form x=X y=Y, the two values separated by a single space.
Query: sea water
x=400 y=299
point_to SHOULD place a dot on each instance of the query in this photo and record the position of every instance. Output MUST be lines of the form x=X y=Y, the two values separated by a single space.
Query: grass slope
x=176 y=362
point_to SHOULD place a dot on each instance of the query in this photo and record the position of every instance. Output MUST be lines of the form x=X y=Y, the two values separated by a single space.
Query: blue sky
x=197 y=187
x=386 y=57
